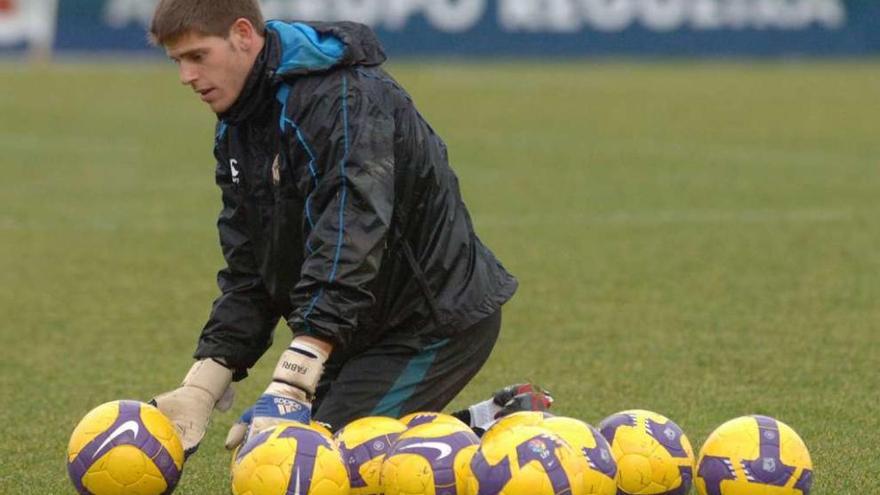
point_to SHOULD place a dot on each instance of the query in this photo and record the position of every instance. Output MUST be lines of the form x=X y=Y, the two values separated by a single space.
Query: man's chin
x=218 y=106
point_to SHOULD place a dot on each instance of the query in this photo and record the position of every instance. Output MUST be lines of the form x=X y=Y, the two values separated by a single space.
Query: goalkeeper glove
x=288 y=397
x=207 y=386
x=508 y=400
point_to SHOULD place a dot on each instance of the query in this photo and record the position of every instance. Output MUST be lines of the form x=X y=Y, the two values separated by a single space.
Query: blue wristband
x=273 y=406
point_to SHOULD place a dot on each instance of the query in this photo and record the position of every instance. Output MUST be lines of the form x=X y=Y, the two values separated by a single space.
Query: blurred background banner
x=498 y=27
x=27 y=24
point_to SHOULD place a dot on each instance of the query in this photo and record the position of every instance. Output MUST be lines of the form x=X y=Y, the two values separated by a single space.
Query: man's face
x=215 y=68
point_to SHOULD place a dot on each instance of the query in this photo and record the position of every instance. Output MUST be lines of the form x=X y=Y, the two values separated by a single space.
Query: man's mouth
x=206 y=93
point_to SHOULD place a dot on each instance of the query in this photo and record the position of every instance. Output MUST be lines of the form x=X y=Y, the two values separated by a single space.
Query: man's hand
x=289 y=396
x=521 y=397
x=270 y=410
x=508 y=400
x=189 y=407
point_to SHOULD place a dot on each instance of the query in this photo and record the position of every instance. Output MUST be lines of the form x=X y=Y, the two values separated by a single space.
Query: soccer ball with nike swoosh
x=124 y=447
x=290 y=458
x=430 y=459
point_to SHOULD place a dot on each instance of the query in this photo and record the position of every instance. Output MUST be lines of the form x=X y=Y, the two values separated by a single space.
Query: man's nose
x=188 y=74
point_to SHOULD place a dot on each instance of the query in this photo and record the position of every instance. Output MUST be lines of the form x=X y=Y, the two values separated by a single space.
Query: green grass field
x=696 y=239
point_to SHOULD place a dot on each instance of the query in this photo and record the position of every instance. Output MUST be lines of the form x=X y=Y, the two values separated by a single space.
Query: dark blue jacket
x=340 y=211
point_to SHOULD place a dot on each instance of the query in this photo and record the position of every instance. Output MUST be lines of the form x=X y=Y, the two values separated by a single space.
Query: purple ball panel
x=768 y=468
x=805 y=482
x=307 y=444
x=609 y=425
x=421 y=419
x=669 y=435
x=542 y=449
x=356 y=457
x=600 y=457
x=491 y=479
x=253 y=443
x=713 y=470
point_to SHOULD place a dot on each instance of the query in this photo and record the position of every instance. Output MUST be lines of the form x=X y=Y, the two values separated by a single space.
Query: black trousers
x=390 y=379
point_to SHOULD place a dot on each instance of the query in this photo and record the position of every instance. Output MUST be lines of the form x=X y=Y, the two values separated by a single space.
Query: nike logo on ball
x=443 y=448
x=131 y=426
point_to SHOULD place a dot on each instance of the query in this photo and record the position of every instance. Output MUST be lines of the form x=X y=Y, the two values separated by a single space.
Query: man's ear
x=243 y=35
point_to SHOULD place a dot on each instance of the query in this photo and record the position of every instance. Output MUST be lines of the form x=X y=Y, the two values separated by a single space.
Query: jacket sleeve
x=242 y=319
x=348 y=208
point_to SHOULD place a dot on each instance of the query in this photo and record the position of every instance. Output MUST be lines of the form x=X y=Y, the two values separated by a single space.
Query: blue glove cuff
x=247 y=416
x=273 y=406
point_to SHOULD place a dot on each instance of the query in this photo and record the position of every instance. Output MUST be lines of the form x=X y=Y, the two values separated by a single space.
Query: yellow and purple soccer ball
x=289 y=458
x=322 y=428
x=527 y=460
x=363 y=444
x=600 y=478
x=519 y=418
x=430 y=459
x=653 y=455
x=124 y=448
x=419 y=418
x=754 y=455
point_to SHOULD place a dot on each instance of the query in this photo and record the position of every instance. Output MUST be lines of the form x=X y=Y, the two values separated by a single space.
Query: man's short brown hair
x=206 y=17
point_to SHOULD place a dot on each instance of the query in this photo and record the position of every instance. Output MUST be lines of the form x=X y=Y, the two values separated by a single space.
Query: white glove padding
x=301 y=366
x=288 y=397
x=207 y=386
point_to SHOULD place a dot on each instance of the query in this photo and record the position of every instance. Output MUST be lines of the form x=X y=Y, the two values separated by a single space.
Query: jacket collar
x=259 y=87
x=295 y=49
